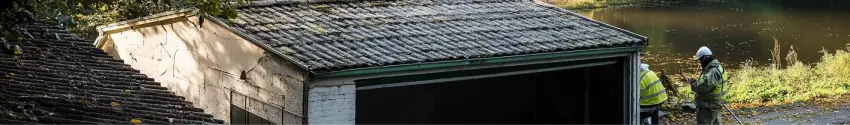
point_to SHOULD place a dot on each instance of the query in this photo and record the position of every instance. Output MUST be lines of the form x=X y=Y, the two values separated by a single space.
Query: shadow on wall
x=206 y=64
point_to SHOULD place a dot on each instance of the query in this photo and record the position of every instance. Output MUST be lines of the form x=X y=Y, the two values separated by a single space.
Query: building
x=405 y=61
x=54 y=77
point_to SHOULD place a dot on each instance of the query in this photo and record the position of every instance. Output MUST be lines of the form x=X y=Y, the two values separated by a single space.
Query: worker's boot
x=688 y=106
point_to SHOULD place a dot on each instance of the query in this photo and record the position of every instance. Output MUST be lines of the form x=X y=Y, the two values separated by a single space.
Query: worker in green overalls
x=709 y=88
x=652 y=94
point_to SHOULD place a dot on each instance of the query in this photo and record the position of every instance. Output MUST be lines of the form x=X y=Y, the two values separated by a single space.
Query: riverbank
x=833 y=110
x=590 y=4
x=797 y=82
x=742 y=34
x=813 y=89
x=595 y=4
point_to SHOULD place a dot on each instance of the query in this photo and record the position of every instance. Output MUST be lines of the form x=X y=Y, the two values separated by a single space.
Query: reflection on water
x=736 y=31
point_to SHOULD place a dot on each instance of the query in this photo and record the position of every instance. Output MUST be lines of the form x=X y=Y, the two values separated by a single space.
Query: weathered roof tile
x=69 y=81
x=375 y=33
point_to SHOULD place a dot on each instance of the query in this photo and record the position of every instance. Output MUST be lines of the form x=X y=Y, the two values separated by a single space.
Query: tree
x=83 y=16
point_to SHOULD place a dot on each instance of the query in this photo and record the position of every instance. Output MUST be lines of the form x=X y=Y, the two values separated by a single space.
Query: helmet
x=703 y=51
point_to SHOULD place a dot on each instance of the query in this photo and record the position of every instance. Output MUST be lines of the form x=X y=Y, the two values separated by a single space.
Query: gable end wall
x=206 y=65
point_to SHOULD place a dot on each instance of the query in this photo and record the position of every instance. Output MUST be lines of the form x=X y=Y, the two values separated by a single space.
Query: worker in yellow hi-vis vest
x=652 y=94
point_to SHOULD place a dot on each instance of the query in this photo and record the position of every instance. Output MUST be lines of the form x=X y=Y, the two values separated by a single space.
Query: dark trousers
x=651 y=114
x=709 y=116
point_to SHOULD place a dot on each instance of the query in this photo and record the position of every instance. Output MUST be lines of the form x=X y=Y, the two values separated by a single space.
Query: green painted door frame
x=474 y=62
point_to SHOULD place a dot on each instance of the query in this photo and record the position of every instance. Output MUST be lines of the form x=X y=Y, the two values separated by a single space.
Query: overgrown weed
x=794 y=82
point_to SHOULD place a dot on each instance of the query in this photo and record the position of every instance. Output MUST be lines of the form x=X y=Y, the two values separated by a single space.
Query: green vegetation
x=825 y=83
x=83 y=16
x=794 y=83
x=752 y=85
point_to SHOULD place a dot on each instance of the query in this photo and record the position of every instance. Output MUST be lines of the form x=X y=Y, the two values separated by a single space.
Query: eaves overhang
x=481 y=61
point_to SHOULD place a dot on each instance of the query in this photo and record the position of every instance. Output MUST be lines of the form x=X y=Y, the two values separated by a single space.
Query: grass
x=796 y=82
x=825 y=83
x=752 y=85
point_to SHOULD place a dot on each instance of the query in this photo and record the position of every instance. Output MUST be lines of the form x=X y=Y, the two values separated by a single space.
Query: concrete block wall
x=331 y=105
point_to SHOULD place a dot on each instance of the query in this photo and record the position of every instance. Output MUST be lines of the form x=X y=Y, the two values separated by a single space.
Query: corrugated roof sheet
x=346 y=35
x=61 y=78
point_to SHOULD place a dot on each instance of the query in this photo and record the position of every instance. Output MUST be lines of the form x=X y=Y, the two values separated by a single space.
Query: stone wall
x=212 y=67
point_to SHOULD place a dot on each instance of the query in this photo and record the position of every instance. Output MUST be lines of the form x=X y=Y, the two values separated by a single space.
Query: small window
x=242 y=116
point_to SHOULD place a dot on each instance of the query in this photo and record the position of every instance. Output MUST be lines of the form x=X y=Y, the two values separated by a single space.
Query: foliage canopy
x=83 y=16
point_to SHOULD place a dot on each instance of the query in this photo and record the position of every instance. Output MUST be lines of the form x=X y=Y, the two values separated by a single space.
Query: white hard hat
x=703 y=51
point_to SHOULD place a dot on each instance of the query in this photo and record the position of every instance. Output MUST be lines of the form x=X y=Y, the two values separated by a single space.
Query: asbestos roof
x=60 y=78
x=334 y=36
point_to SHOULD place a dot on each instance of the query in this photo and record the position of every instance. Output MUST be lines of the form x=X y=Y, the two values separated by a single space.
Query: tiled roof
x=60 y=78
x=344 y=35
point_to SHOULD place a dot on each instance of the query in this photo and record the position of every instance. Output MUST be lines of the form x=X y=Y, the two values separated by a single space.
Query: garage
x=573 y=92
x=391 y=61
x=463 y=62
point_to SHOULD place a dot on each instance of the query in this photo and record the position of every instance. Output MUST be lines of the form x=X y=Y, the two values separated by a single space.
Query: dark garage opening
x=571 y=96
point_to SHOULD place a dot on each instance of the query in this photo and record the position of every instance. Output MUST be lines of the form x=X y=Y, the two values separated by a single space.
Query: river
x=736 y=31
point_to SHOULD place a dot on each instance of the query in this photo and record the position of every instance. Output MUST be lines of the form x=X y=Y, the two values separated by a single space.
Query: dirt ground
x=822 y=111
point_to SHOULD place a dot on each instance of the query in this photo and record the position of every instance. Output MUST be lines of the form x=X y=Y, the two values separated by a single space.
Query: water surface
x=736 y=31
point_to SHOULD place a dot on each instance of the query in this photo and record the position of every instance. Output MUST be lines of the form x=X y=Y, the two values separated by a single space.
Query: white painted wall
x=204 y=64
x=331 y=105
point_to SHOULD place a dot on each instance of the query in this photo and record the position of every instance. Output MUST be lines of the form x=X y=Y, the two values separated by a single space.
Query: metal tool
x=727 y=107
x=733 y=114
